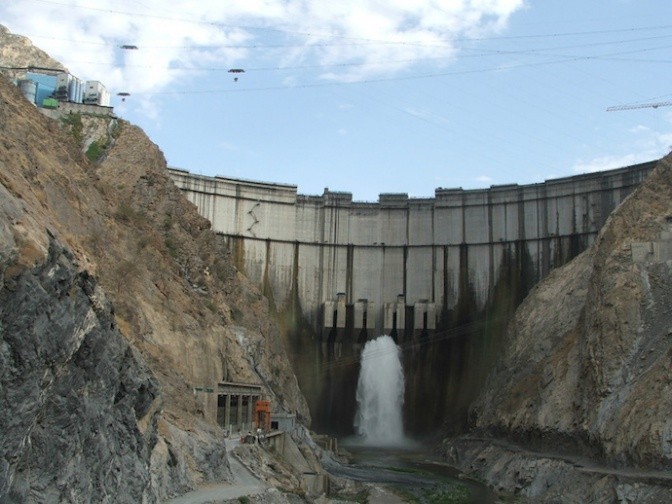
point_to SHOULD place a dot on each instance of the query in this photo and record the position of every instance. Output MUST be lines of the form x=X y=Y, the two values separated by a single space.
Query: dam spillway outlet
x=380 y=394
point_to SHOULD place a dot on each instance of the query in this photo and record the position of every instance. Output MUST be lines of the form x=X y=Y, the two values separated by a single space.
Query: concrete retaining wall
x=311 y=248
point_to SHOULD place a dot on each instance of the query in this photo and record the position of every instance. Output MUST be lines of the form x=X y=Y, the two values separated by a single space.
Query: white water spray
x=380 y=394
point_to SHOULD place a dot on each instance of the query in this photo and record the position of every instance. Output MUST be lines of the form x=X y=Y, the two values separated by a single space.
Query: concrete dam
x=441 y=275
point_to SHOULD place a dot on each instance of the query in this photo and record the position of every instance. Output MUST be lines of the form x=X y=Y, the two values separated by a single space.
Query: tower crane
x=641 y=105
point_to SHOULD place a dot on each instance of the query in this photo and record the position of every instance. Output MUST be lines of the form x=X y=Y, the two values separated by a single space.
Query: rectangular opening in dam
x=393 y=332
x=362 y=337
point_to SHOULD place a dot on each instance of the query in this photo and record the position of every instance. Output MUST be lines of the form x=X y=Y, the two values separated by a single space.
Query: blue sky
x=375 y=96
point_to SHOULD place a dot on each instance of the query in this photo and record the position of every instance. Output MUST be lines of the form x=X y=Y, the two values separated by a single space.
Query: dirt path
x=244 y=483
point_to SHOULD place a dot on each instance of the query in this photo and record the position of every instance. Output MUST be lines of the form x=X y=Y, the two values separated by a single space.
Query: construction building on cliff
x=56 y=90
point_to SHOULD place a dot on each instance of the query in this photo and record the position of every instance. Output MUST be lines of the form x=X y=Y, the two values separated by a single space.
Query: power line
x=361 y=39
x=564 y=59
x=357 y=41
x=639 y=106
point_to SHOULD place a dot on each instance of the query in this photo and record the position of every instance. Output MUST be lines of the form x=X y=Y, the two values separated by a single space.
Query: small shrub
x=143 y=242
x=114 y=129
x=125 y=272
x=172 y=247
x=96 y=150
x=126 y=213
x=167 y=222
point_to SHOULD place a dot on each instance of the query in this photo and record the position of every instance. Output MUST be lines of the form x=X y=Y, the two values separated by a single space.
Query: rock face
x=78 y=408
x=116 y=302
x=19 y=51
x=587 y=367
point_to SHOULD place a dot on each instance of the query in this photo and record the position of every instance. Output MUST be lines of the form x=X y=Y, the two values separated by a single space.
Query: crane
x=641 y=105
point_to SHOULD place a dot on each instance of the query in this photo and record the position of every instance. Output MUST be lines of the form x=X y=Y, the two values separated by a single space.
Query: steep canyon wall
x=117 y=303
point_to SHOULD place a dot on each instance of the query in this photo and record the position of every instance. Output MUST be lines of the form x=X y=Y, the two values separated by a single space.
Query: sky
x=376 y=96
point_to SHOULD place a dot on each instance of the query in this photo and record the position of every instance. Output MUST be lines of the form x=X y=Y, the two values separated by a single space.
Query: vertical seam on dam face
x=295 y=267
x=446 y=284
x=334 y=239
x=407 y=213
x=236 y=209
x=433 y=276
x=545 y=260
x=390 y=247
x=434 y=269
x=491 y=258
x=267 y=288
x=521 y=215
x=405 y=269
x=349 y=275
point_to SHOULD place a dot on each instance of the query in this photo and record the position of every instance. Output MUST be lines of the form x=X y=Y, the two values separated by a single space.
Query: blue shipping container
x=46 y=84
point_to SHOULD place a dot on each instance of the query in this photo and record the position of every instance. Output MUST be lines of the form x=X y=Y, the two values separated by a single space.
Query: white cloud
x=427 y=115
x=653 y=146
x=484 y=179
x=227 y=146
x=364 y=38
x=640 y=128
x=607 y=163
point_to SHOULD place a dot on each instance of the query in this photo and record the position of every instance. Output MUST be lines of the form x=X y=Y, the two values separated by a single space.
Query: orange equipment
x=262 y=415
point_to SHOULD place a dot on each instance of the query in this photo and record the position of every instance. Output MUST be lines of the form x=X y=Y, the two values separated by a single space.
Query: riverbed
x=414 y=473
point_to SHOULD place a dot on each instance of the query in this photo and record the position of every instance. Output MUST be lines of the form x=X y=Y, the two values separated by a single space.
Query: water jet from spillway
x=380 y=394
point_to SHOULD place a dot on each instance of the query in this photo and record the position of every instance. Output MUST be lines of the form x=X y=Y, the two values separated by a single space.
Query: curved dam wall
x=353 y=266
x=441 y=275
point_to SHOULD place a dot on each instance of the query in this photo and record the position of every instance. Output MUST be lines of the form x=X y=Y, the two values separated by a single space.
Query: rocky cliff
x=116 y=302
x=17 y=51
x=585 y=382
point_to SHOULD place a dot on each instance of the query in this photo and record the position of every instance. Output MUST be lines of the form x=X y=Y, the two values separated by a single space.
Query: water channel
x=382 y=454
x=415 y=474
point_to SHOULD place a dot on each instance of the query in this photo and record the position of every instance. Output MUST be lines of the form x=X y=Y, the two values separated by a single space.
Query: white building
x=96 y=94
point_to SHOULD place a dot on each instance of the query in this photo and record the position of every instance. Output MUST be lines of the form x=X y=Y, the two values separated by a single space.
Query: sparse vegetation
x=453 y=494
x=126 y=213
x=115 y=128
x=172 y=247
x=97 y=240
x=143 y=242
x=96 y=150
x=361 y=497
x=73 y=122
x=167 y=222
x=237 y=314
x=125 y=272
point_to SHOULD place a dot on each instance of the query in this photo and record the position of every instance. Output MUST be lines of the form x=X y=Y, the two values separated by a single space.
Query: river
x=414 y=473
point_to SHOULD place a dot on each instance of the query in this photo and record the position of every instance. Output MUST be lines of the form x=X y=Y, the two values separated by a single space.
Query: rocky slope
x=73 y=390
x=116 y=301
x=17 y=51
x=586 y=377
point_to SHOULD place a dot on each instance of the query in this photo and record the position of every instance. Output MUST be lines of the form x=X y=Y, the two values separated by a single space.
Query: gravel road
x=244 y=483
